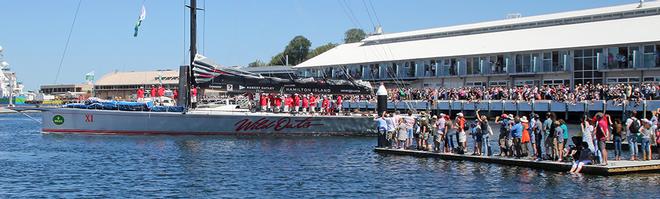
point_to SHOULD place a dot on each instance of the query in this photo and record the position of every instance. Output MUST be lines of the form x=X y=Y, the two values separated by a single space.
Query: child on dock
x=402 y=133
x=584 y=157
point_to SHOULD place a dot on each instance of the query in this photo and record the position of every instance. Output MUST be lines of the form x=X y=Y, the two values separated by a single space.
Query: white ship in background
x=10 y=89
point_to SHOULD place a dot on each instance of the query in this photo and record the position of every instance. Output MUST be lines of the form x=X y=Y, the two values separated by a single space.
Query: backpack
x=634 y=126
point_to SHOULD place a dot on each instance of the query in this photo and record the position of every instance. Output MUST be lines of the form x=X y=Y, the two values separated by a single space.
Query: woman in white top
x=587 y=133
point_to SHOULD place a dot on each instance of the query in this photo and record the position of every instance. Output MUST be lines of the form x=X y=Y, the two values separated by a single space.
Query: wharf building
x=609 y=45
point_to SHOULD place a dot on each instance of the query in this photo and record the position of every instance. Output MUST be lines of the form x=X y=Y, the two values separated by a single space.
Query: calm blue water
x=201 y=167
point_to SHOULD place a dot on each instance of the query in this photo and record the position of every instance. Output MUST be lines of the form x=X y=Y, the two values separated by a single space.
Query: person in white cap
x=462 y=136
x=440 y=124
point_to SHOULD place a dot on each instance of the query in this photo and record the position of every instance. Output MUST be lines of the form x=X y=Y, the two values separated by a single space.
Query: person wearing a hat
x=312 y=103
x=296 y=102
x=503 y=120
x=647 y=133
x=423 y=123
x=440 y=124
x=517 y=134
x=140 y=93
x=462 y=136
x=525 y=136
x=536 y=136
x=433 y=126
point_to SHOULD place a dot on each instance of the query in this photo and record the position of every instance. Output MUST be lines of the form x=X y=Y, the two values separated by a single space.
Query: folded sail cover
x=209 y=75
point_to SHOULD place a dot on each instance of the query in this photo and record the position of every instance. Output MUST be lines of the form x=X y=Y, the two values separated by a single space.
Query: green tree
x=354 y=35
x=297 y=50
x=256 y=63
x=321 y=49
x=277 y=60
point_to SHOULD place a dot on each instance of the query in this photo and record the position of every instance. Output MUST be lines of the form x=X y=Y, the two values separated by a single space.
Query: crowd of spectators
x=560 y=93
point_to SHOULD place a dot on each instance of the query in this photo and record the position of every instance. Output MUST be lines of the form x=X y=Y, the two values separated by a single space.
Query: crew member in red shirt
x=312 y=103
x=161 y=91
x=278 y=104
x=271 y=102
x=193 y=97
x=296 y=102
x=325 y=105
x=263 y=101
x=288 y=101
x=305 y=103
x=154 y=92
x=140 y=93
x=339 y=101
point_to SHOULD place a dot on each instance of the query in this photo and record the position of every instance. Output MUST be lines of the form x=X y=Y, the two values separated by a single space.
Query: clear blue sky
x=33 y=32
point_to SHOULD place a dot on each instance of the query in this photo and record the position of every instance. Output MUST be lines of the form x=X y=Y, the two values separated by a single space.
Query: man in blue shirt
x=382 y=129
x=516 y=133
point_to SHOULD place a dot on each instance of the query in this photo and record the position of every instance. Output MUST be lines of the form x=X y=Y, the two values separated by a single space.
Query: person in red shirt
x=263 y=101
x=154 y=92
x=193 y=93
x=175 y=94
x=296 y=102
x=278 y=104
x=288 y=101
x=305 y=103
x=325 y=105
x=339 y=101
x=161 y=91
x=271 y=102
x=140 y=93
x=312 y=103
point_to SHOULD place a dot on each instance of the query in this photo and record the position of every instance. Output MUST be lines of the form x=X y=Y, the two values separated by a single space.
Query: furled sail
x=210 y=75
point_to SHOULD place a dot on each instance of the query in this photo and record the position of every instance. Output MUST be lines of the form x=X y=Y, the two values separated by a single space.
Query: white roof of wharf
x=619 y=31
x=561 y=15
x=139 y=78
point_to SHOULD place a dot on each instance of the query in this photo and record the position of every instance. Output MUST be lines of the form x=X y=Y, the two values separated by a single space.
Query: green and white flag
x=143 y=13
x=89 y=77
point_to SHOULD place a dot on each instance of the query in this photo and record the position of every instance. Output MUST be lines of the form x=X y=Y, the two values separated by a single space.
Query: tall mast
x=193 y=30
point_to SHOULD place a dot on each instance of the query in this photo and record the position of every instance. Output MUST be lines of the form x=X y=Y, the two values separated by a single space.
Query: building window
x=523 y=63
x=434 y=68
x=411 y=68
x=657 y=55
x=649 y=56
x=453 y=67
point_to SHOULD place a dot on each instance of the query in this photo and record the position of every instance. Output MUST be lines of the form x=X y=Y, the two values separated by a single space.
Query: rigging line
x=343 y=8
x=368 y=13
x=375 y=15
x=350 y=11
x=68 y=39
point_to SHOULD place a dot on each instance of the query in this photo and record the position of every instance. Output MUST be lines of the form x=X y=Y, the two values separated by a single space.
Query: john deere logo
x=58 y=119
